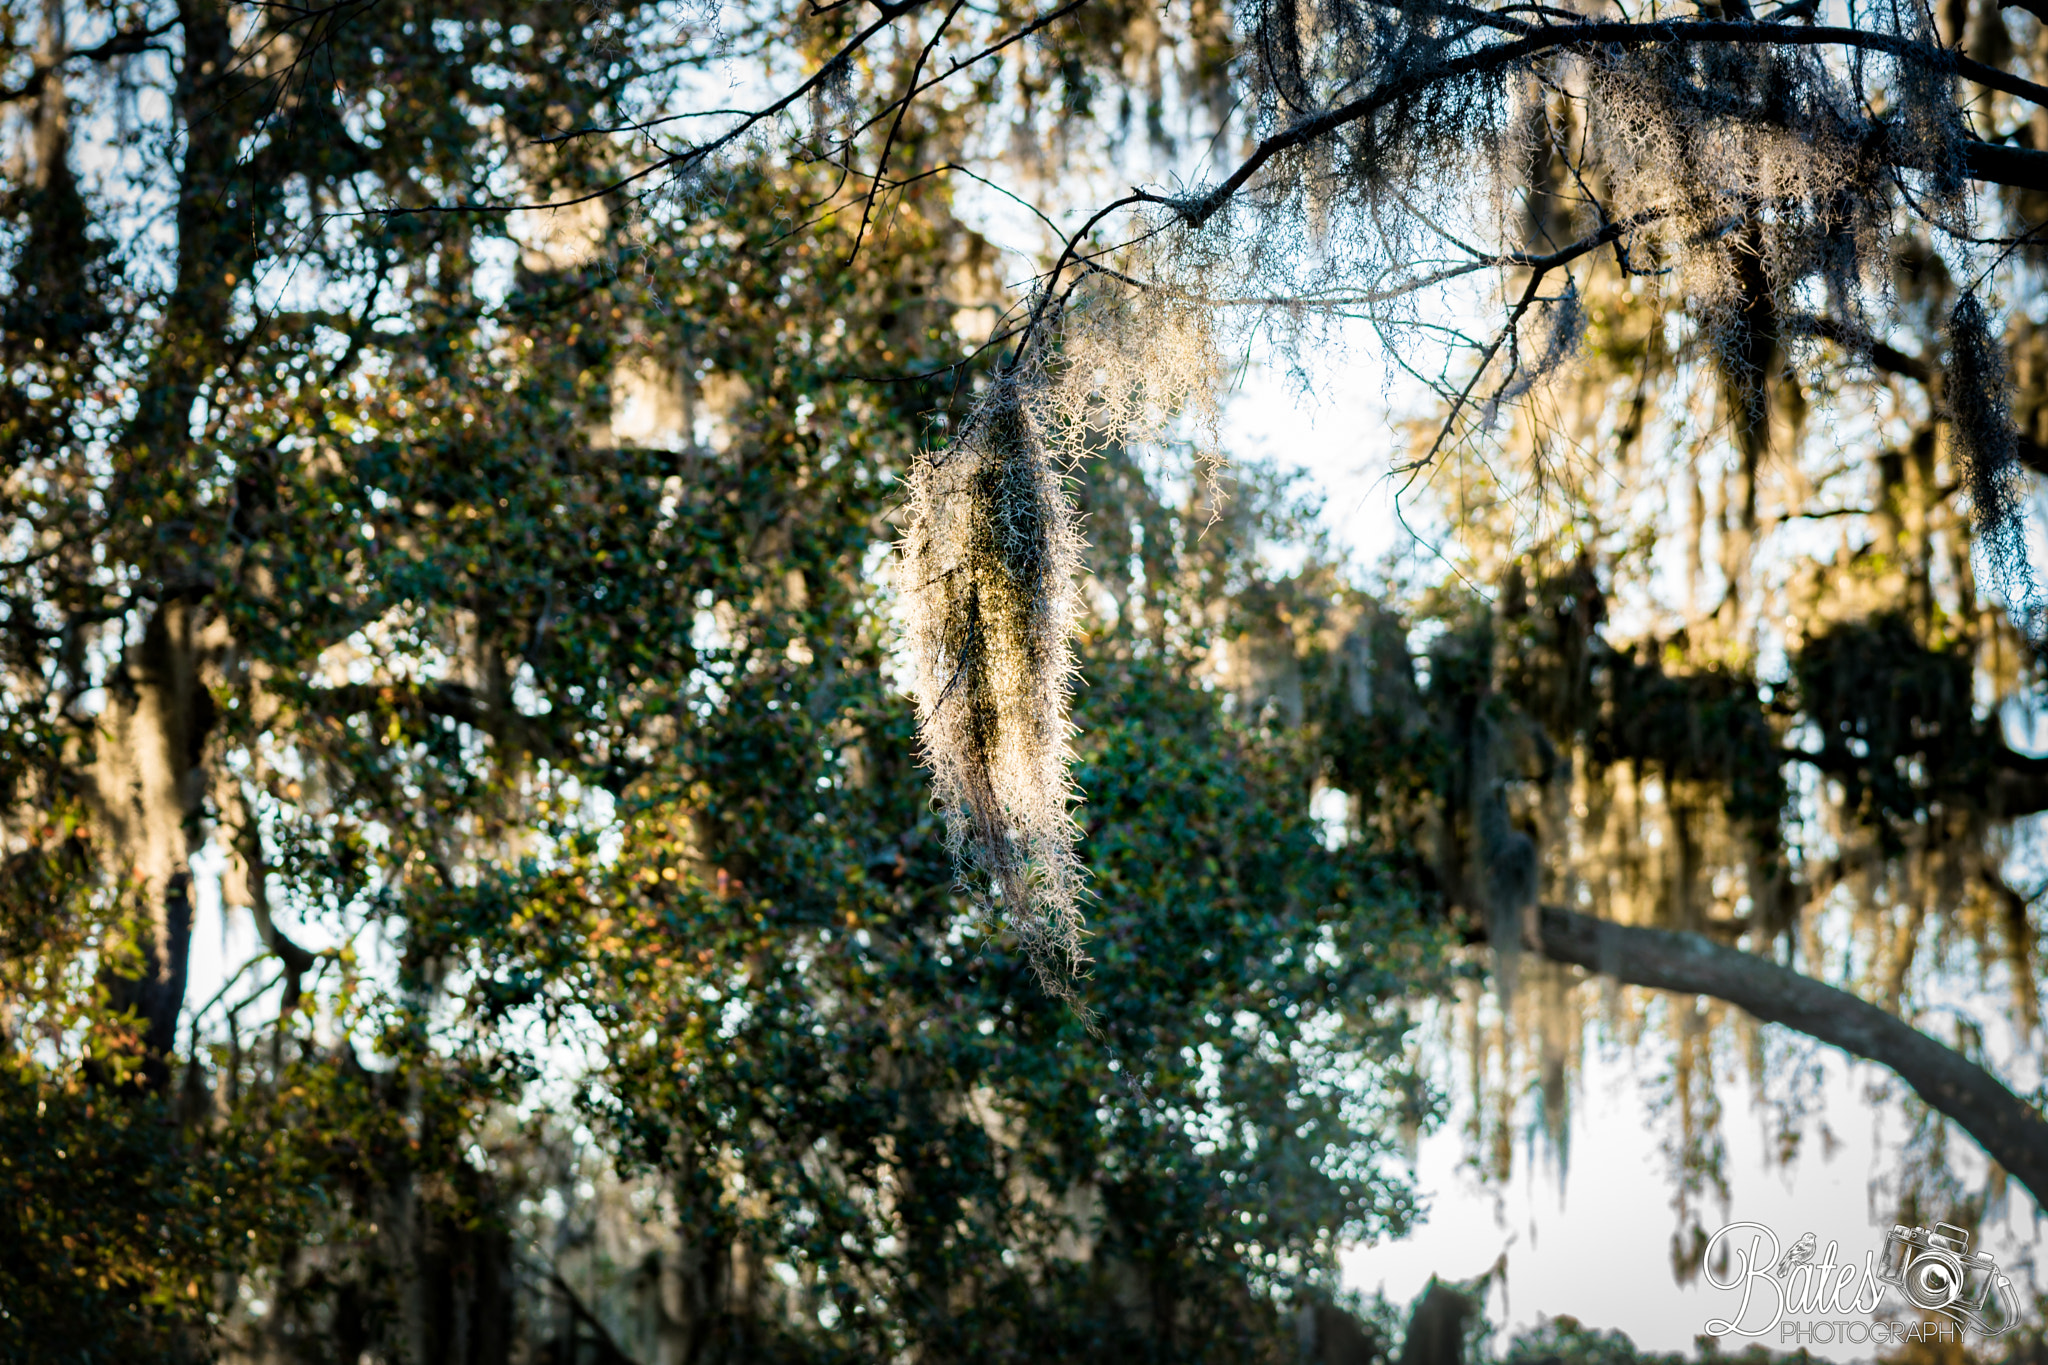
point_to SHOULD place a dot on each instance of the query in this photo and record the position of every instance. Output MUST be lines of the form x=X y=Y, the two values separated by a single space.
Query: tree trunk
x=148 y=776
x=150 y=784
x=2011 y=1131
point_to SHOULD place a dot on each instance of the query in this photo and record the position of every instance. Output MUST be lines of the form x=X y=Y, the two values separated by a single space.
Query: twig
x=889 y=142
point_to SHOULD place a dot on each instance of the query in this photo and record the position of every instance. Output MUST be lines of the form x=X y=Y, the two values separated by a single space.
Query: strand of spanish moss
x=989 y=560
x=1977 y=393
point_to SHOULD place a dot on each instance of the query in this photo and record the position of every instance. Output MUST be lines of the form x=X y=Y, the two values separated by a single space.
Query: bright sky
x=1597 y=1244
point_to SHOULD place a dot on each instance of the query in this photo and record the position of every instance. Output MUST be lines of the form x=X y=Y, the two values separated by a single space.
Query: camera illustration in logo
x=1937 y=1271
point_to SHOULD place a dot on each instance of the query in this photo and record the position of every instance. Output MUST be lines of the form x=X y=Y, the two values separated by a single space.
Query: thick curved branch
x=297 y=960
x=2011 y=1131
x=2019 y=782
x=2020 y=168
x=2014 y=786
x=1883 y=358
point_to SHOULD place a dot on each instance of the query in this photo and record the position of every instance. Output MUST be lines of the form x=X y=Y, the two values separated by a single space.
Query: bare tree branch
x=965 y=62
x=1888 y=359
x=120 y=45
x=609 y=1350
x=867 y=211
x=1589 y=38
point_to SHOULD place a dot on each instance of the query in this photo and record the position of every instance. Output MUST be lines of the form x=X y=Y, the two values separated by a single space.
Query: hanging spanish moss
x=1978 y=396
x=989 y=564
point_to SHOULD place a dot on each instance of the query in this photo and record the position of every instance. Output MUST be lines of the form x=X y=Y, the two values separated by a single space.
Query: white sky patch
x=1596 y=1244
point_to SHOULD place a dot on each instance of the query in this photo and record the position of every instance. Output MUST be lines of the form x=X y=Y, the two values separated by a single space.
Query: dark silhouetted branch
x=2011 y=1131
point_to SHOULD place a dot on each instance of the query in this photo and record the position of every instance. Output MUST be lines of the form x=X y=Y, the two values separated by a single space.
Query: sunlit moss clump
x=988 y=585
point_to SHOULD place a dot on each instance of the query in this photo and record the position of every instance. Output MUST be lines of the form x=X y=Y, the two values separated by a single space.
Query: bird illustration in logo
x=1800 y=1254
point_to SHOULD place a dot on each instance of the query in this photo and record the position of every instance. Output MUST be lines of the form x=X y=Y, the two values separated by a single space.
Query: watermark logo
x=1806 y=1295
